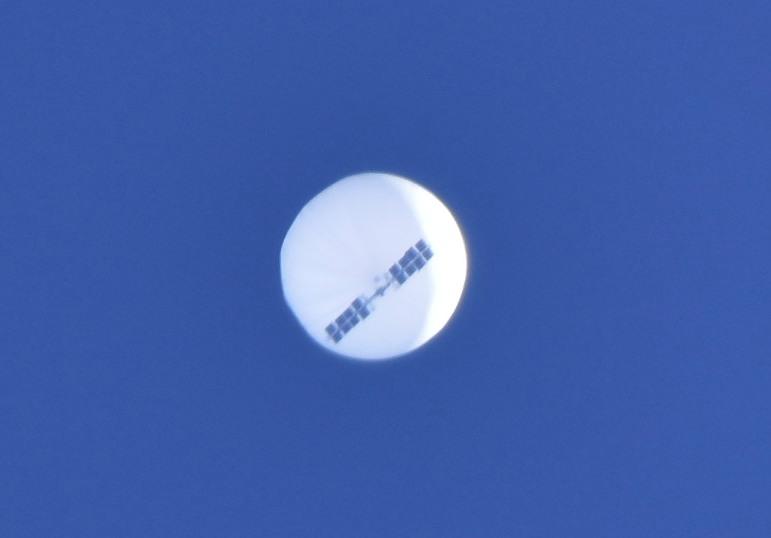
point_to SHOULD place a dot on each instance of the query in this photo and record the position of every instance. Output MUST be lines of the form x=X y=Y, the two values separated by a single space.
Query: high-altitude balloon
x=373 y=266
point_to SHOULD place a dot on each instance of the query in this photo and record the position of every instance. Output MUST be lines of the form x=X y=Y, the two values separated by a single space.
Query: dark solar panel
x=337 y=337
x=428 y=254
x=331 y=329
x=410 y=269
x=401 y=278
x=408 y=257
x=361 y=308
x=419 y=262
x=421 y=245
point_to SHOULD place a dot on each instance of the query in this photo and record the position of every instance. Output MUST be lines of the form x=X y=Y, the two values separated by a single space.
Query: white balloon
x=341 y=246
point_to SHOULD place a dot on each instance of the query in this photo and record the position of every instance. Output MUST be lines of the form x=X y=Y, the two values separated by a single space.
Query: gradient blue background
x=607 y=374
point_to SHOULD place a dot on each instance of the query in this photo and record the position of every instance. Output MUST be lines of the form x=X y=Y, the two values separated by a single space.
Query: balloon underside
x=341 y=246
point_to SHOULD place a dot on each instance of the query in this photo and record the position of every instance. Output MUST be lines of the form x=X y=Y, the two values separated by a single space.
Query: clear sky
x=606 y=375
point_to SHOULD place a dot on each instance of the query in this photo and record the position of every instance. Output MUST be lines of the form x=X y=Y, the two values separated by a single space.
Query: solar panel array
x=414 y=259
x=348 y=319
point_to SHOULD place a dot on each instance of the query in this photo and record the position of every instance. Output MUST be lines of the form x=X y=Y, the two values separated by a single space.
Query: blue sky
x=606 y=374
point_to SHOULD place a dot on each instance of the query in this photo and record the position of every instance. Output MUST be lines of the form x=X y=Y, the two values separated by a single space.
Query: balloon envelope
x=338 y=252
